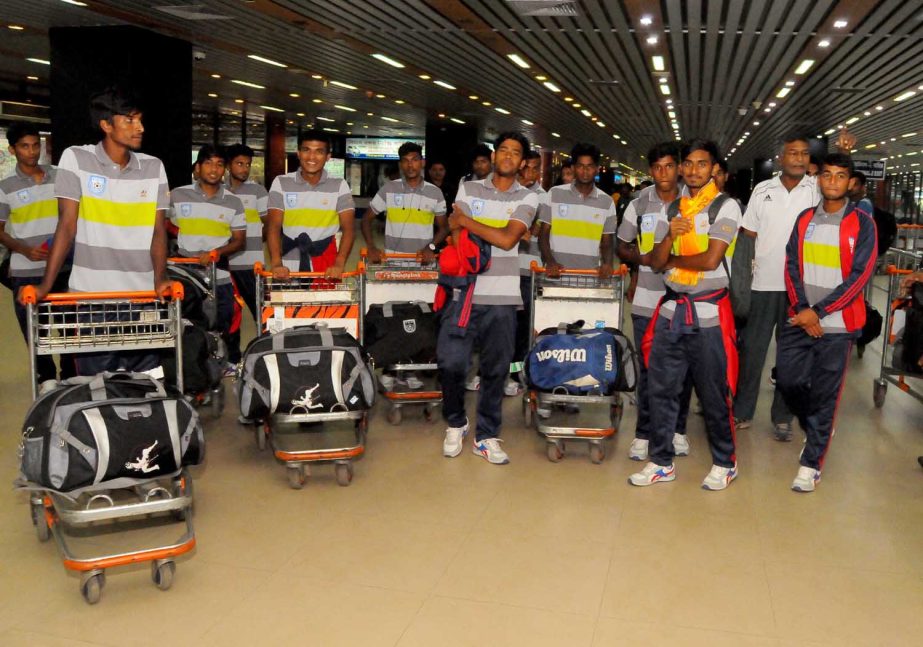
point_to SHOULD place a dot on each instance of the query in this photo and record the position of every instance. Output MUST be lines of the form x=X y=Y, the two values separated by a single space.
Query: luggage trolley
x=307 y=298
x=214 y=397
x=905 y=262
x=120 y=321
x=600 y=303
x=401 y=277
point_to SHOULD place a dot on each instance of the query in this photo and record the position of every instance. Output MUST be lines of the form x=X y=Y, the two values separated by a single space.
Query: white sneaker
x=719 y=477
x=454 y=439
x=680 y=445
x=490 y=449
x=638 y=449
x=473 y=384
x=387 y=382
x=413 y=382
x=512 y=388
x=806 y=480
x=652 y=473
x=46 y=386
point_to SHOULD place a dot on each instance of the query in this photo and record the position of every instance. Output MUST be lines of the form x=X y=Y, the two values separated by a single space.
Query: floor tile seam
x=511 y=605
x=413 y=619
x=602 y=595
x=772 y=606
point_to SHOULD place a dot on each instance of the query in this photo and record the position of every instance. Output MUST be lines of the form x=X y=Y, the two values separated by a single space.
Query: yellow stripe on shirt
x=118 y=214
x=310 y=218
x=34 y=211
x=822 y=255
x=204 y=227
x=577 y=229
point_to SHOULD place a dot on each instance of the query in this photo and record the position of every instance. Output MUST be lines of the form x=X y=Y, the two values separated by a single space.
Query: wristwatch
x=431 y=247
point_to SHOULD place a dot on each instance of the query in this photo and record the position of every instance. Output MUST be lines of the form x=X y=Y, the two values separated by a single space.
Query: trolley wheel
x=615 y=415
x=162 y=573
x=395 y=415
x=259 y=432
x=344 y=472
x=429 y=415
x=527 y=413
x=91 y=586
x=217 y=402
x=42 y=531
x=597 y=453
x=879 y=393
x=296 y=476
x=555 y=452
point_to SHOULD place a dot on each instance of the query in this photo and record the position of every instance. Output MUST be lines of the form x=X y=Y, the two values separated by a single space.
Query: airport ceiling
x=733 y=70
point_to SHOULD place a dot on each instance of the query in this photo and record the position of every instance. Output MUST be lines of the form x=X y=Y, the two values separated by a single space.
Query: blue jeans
x=493 y=330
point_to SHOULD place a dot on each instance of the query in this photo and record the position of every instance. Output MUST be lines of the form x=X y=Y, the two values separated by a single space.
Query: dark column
x=275 y=146
x=451 y=143
x=157 y=69
x=762 y=170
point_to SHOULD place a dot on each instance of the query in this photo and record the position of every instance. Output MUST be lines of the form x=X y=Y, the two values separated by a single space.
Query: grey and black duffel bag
x=110 y=430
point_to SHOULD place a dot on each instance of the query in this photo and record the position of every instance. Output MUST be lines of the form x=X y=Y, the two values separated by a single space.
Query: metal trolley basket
x=102 y=322
x=401 y=277
x=904 y=263
x=308 y=298
x=577 y=294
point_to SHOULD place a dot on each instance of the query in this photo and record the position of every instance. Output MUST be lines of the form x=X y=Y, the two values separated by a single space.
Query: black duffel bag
x=109 y=430
x=400 y=332
x=204 y=359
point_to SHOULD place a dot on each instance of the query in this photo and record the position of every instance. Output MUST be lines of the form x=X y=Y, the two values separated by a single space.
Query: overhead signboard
x=376 y=148
x=873 y=169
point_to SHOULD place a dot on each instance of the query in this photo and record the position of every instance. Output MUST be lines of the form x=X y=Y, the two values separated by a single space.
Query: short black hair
x=860 y=177
x=209 y=151
x=815 y=161
x=433 y=163
x=516 y=137
x=110 y=102
x=410 y=147
x=840 y=160
x=646 y=183
x=724 y=165
x=236 y=150
x=19 y=130
x=583 y=149
x=663 y=149
x=706 y=145
x=314 y=135
x=481 y=150
x=795 y=136
x=532 y=154
x=566 y=164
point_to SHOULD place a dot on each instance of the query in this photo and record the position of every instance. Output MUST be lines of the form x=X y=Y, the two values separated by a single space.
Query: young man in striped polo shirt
x=829 y=258
x=28 y=217
x=578 y=221
x=306 y=210
x=210 y=219
x=635 y=243
x=498 y=210
x=112 y=202
x=411 y=205
x=692 y=329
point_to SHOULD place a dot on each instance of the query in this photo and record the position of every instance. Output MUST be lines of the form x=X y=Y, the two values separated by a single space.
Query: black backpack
x=400 y=332
x=913 y=332
x=199 y=305
x=886 y=228
x=872 y=327
x=204 y=357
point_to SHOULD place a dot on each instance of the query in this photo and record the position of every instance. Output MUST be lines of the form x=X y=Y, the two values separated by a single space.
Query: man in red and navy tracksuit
x=829 y=258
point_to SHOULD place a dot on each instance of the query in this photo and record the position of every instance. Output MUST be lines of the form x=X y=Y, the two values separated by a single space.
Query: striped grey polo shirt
x=29 y=212
x=308 y=208
x=578 y=224
x=483 y=202
x=256 y=200
x=205 y=223
x=724 y=229
x=115 y=223
x=638 y=225
x=528 y=249
x=411 y=212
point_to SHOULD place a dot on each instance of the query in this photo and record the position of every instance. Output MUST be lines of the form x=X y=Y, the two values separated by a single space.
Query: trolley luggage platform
x=297 y=440
x=402 y=278
x=577 y=294
x=109 y=321
x=904 y=262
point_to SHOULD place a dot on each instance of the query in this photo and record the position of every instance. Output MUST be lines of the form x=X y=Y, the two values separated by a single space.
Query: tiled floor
x=422 y=550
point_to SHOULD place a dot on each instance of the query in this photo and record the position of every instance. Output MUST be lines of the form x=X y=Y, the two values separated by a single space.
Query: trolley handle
x=28 y=295
x=184 y=260
x=404 y=256
x=622 y=270
x=259 y=270
x=893 y=270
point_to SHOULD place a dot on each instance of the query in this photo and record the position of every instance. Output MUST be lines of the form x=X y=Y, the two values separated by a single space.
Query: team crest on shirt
x=647 y=222
x=185 y=209
x=398 y=200
x=24 y=196
x=477 y=207
x=562 y=210
x=291 y=200
x=809 y=231
x=96 y=184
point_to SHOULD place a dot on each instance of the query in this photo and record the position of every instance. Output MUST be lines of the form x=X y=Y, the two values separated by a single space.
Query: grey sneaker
x=652 y=473
x=490 y=449
x=718 y=478
x=454 y=439
x=783 y=432
x=806 y=479
x=638 y=449
x=680 y=445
